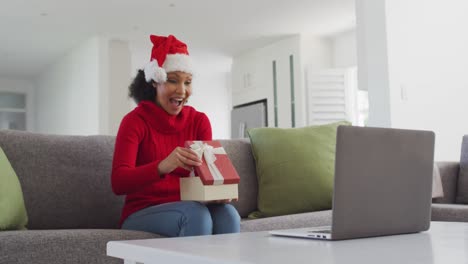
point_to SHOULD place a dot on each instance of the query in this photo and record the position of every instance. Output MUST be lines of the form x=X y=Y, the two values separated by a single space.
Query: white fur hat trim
x=154 y=72
x=173 y=62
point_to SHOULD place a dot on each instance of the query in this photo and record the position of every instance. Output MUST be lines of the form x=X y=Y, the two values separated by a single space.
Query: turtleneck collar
x=163 y=122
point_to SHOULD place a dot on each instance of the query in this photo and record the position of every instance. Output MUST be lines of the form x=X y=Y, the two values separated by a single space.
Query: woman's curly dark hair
x=140 y=90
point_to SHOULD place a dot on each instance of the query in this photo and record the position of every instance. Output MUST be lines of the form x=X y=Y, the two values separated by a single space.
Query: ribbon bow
x=207 y=152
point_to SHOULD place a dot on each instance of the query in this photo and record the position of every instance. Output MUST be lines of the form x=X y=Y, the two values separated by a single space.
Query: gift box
x=215 y=179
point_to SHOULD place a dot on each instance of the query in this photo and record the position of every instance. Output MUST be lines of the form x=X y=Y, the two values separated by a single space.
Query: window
x=12 y=110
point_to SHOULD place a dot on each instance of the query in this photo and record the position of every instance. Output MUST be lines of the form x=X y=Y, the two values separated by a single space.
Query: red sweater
x=146 y=136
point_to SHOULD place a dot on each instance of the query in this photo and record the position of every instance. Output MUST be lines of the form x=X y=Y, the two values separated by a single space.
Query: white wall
x=117 y=62
x=424 y=81
x=15 y=84
x=211 y=85
x=428 y=63
x=212 y=91
x=344 y=49
x=317 y=52
x=85 y=91
x=257 y=65
x=23 y=86
x=336 y=51
x=68 y=92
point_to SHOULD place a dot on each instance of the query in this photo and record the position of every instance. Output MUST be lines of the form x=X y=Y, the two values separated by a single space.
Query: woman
x=149 y=156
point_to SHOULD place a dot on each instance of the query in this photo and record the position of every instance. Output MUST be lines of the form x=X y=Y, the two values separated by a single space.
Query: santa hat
x=168 y=54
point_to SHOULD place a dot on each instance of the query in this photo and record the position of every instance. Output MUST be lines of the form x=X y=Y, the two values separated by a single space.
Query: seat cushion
x=63 y=246
x=450 y=212
x=319 y=218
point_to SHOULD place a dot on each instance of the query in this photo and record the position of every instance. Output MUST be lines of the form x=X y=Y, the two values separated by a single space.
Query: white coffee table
x=445 y=242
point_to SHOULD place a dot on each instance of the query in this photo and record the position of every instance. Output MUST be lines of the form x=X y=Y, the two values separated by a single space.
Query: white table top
x=445 y=242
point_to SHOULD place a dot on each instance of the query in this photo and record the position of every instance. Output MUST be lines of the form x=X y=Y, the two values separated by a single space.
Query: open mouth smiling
x=176 y=101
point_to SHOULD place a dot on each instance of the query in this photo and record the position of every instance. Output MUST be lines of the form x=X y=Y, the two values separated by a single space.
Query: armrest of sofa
x=449 y=176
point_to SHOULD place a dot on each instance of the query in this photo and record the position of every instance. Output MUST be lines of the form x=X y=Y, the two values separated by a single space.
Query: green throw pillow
x=12 y=210
x=295 y=168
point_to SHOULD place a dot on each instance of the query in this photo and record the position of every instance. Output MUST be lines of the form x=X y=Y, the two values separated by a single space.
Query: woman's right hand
x=179 y=157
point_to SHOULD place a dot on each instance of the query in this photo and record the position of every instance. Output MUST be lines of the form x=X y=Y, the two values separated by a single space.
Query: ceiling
x=35 y=33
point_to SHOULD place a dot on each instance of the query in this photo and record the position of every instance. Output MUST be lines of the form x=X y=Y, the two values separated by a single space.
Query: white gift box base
x=192 y=189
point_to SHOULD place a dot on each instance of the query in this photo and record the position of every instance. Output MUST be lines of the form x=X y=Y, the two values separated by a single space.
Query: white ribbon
x=207 y=152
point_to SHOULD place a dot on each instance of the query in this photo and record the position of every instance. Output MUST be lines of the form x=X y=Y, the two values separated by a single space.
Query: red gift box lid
x=222 y=171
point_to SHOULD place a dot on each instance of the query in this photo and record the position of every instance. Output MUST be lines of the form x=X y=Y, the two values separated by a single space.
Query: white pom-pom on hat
x=168 y=54
x=154 y=72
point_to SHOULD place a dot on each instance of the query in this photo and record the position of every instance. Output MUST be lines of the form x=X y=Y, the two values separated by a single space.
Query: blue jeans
x=185 y=218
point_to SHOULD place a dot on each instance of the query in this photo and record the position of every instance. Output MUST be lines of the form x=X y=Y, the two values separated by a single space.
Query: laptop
x=383 y=184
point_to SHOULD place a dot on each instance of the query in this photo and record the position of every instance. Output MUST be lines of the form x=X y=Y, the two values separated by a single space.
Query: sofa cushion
x=240 y=154
x=12 y=210
x=65 y=179
x=295 y=168
x=313 y=219
x=450 y=212
x=63 y=246
x=462 y=191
